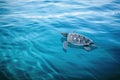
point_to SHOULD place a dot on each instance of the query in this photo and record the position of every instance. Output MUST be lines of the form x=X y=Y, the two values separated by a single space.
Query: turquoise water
x=31 y=40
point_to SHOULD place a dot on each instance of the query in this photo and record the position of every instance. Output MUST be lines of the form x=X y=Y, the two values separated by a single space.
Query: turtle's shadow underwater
x=78 y=47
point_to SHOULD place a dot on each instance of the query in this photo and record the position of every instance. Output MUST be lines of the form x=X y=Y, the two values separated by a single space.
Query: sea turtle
x=77 y=39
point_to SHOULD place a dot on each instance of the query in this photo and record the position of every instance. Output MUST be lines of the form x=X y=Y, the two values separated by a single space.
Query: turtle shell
x=78 y=39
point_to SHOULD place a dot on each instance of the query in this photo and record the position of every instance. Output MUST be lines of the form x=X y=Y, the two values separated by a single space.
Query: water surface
x=31 y=46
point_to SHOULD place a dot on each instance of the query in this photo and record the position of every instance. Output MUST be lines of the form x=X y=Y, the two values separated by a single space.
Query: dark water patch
x=98 y=9
x=31 y=64
x=117 y=21
x=25 y=76
x=117 y=15
x=3 y=76
x=59 y=77
x=52 y=66
x=5 y=32
x=12 y=44
x=5 y=47
x=110 y=7
x=4 y=11
x=81 y=77
x=21 y=75
x=109 y=67
x=114 y=76
x=72 y=63
x=4 y=23
x=73 y=78
x=6 y=75
x=115 y=52
x=116 y=2
x=46 y=69
x=106 y=70
x=19 y=30
x=5 y=62
x=115 y=35
x=2 y=2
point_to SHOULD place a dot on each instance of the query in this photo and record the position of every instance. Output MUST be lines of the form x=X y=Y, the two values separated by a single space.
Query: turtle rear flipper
x=92 y=44
x=65 y=43
x=87 y=48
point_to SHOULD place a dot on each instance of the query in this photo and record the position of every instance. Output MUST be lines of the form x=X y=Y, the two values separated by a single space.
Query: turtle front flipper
x=86 y=47
x=65 y=43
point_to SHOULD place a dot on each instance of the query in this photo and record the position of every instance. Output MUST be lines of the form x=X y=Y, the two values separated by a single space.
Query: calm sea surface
x=31 y=41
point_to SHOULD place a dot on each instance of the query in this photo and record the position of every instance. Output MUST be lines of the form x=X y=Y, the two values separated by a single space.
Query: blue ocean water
x=31 y=46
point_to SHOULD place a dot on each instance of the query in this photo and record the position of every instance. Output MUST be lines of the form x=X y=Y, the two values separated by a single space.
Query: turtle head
x=64 y=34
